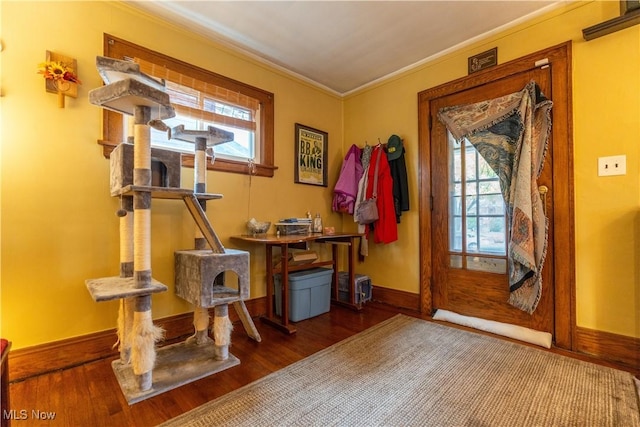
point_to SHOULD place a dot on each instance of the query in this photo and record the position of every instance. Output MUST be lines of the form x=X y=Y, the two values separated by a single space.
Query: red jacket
x=385 y=229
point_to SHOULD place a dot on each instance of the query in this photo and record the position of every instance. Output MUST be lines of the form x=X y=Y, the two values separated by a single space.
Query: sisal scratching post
x=125 y=213
x=200 y=314
x=222 y=328
x=130 y=129
x=200 y=183
x=144 y=333
x=125 y=314
x=142 y=199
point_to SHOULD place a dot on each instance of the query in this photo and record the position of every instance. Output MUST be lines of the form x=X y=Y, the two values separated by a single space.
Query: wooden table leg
x=282 y=323
x=352 y=272
x=336 y=275
x=269 y=258
x=284 y=256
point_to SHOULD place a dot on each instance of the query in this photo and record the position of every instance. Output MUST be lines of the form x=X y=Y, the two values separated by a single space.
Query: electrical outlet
x=612 y=165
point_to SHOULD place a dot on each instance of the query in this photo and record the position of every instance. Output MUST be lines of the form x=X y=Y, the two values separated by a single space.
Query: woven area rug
x=410 y=372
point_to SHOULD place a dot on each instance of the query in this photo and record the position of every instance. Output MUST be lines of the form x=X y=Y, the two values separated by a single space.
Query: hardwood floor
x=89 y=394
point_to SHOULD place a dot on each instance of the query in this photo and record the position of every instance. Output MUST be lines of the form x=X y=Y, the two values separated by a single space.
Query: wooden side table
x=299 y=242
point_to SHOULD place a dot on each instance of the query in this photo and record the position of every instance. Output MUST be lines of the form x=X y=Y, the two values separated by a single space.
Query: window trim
x=113 y=132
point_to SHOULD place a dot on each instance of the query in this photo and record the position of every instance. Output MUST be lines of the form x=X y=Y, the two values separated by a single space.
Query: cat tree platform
x=176 y=365
x=110 y=288
x=125 y=95
x=166 y=192
x=213 y=135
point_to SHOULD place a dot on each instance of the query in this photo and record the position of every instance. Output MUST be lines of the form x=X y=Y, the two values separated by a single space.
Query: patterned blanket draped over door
x=511 y=134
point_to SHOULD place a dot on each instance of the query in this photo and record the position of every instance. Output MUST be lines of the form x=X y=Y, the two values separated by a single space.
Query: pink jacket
x=346 y=189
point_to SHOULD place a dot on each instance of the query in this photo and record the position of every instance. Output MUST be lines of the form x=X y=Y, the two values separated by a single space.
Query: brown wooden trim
x=396 y=298
x=113 y=131
x=232 y=166
x=63 y=354
x=5 y=400
x=563 y=195
x=425 y=121
x=616 y=348
x=628 y=19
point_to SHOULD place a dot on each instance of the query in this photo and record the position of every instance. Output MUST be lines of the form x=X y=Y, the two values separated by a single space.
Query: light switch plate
x=612 y=165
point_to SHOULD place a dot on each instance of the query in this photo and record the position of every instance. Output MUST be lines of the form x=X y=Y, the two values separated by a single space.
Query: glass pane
x=471 y=188
x=470 y=165
x=491 y=205
x=489 y=246
x=456 y=208
x=455 y=165
x=492 y=235
x=455 y=196
x=472 y=234
x=160 y=138
x=227 y=109
x=455 y=234
x=455 y=261
x=489 y=187
x=472 y=224
x=241 y=146
x=485 y=169
x=472 y=205
x=491 y=265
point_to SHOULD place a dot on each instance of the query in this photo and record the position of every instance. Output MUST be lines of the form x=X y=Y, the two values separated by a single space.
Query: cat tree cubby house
x=140 y=173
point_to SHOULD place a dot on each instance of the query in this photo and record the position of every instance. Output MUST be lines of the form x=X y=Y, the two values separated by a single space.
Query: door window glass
x=476 y=211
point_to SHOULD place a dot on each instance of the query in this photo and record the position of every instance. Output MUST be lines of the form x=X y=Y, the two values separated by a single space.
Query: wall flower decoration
x=60 y=76
x=59 y=72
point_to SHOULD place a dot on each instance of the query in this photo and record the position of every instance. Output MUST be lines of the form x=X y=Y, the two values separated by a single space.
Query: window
x=478 y=232
x=202 y=98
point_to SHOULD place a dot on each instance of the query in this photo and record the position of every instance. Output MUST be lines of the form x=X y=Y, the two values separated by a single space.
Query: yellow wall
x=606 y=88
x=57 y=220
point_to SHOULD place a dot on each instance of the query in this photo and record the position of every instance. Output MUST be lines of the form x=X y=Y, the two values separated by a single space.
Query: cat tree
x=142 y=371
x=197 y=270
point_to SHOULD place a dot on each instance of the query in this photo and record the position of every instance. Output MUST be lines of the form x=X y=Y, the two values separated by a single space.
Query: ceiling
x=343 y=46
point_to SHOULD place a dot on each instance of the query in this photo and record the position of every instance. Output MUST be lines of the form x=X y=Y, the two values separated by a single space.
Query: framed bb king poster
x=311 y=156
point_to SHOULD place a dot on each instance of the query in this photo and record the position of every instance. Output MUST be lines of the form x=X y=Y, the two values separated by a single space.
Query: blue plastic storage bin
x=309 y=293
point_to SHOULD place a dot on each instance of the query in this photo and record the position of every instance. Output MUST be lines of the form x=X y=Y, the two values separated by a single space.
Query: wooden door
x=469 y=230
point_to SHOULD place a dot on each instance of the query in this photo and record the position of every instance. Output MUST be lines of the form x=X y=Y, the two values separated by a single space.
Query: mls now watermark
x=23 y=414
